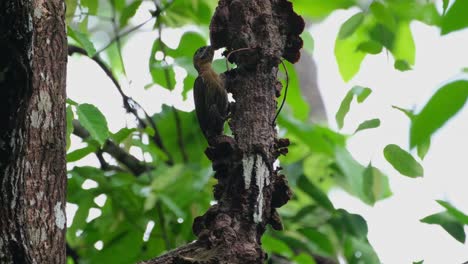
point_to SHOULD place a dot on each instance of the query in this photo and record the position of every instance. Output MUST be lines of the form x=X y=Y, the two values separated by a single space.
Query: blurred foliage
x=144 y=215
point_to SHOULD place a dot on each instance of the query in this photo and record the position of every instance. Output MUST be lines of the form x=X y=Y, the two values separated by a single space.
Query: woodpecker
x=210 y=96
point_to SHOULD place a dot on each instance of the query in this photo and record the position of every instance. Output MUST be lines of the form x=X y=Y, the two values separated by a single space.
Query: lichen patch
x=262 y=180
x=60 y=219
x=247 y=165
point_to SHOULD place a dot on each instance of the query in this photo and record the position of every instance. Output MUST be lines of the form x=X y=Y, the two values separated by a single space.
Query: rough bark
x=33 y=58
x=249 y=186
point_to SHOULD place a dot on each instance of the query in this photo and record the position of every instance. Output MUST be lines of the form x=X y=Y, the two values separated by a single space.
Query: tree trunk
x=33 y=57
x=258 y=33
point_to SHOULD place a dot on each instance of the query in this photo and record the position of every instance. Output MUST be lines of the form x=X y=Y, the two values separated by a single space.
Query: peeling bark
x=32 y=131
x=249 y=188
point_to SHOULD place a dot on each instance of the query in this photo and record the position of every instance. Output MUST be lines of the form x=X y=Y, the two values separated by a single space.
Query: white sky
x=394 y=227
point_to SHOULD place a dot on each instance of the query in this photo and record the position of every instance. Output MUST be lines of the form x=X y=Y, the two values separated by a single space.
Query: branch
x=133 y=164
x=72 y=254
x=129 y=103
x=104 y=164
x=155 y=14
x=123 y=34
x=183 y=254
x=249 y=188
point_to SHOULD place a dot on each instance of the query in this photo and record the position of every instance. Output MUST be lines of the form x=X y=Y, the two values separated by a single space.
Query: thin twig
x=82 y=14
x=105 y=166
x=285 y=93
x=155 y=14
x=180 y=139
x=129 y=103
x=123 y=34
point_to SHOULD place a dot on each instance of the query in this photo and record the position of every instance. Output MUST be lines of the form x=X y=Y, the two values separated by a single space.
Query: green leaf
x=188 y=85
x=188 y=45
x=163 y=74
x=351 y=25
x=352 y=224
x=129 y=12
x=180 y=13
x=402 y=65
x=348 y=56
x=419 y=262
x=92 y=6
x=371 y=47
x=315 y=9
x=122 y=134
x=315 y=193
x=303 y=258
x=442 y=106
x=383 y=14
x=316 y=138
x=449 y=223
x=113 y=52
x=273 y=245
x=402 y=161
x=83 y=41
x=172 y=206
x=192 y=137
x=71 y=8
x=368 y=124
x=404 y=49
x=316 y=166
x=367 y=253
x=300 y=108
x=424 y=11
x=80 y=153
x=309 y=43
x=445 y=4
x=459 y=215
x=70 y=118
x=71 y=102
x=368 y=183
x=94 y=121
x=127 y=240
x=349 y=175
x=319 y=239
x=408 y=113
x=375 y=184
x=382 y=34
x=79 y=220
x=360 y=92
x=423 y=148
x=455 y=18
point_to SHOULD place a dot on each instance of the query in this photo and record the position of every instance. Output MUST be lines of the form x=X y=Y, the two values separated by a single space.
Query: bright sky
x=394 y=227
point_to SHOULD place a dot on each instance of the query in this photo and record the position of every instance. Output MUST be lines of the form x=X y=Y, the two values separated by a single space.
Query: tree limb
x=133 y=164
x=249 y=187
x=130 y=104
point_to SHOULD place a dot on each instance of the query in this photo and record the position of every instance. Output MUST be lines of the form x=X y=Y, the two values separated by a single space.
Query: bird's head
x=202 y=56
